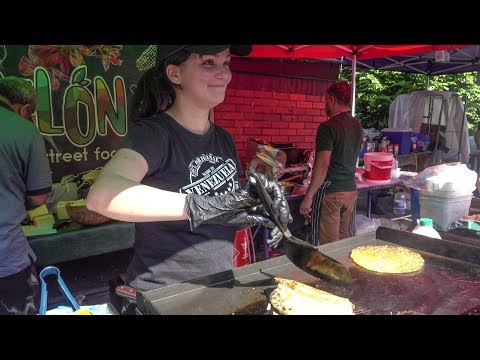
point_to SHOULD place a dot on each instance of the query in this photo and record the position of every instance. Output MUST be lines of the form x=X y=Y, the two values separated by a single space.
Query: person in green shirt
x=331 y=196
x=25 y=182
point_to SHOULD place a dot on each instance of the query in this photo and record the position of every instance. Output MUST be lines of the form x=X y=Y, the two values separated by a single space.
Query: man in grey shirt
x=25 y=181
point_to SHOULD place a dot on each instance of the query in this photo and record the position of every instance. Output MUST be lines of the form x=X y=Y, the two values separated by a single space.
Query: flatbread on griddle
x=295 y=298
x=387 y=259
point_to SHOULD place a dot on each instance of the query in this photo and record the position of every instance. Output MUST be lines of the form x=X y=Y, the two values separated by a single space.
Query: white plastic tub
x=444 y=210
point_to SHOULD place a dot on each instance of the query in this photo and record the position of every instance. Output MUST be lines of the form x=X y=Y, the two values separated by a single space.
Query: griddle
x=448 y=283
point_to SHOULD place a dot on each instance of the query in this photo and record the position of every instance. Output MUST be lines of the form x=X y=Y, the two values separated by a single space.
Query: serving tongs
x=302 y=254
x=52 y=270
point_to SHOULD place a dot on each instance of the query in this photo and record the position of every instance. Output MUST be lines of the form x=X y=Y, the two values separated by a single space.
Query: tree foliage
x=376 y=90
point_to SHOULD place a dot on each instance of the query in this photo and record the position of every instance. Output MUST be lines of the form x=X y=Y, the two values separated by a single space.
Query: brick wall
x=273 y=108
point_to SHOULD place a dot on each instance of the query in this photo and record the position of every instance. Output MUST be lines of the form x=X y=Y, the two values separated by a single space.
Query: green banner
x=85 y=91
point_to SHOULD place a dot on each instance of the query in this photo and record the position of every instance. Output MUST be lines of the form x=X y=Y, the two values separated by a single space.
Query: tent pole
x=429 y=71
x=341 y=68
x=463 y=124
x=354 y=71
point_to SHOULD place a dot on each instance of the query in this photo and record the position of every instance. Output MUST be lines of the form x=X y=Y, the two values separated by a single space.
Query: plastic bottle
x=425 y=228
x=400 y=203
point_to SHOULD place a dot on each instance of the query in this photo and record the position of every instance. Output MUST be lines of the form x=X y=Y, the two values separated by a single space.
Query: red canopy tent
x=335 y=51
x=354 y=52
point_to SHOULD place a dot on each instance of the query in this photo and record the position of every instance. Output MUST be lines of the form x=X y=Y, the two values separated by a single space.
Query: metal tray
x=448 y=283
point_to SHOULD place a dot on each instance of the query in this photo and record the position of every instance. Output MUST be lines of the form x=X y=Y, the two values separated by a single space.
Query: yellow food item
x=387 y=259
x=38 y=211
x=79 y=202
x=294 y=298
x=62 y=213
x=82 y=312
x=30 y=230
x=44 y=220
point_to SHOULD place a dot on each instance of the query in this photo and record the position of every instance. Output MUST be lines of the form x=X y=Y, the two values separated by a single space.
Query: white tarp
x=410 y=110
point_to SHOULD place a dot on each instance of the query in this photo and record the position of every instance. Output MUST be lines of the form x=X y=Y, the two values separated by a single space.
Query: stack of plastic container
x=443 y=193
x=443 y=207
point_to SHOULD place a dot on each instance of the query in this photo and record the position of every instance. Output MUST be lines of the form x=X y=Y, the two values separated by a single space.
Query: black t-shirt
x=167 y=252
x=342 y=134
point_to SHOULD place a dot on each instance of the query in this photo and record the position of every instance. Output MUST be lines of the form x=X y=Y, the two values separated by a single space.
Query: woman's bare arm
x=118 y=194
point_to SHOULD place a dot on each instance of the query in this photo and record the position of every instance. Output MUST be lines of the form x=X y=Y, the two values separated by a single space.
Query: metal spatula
x=302 y=254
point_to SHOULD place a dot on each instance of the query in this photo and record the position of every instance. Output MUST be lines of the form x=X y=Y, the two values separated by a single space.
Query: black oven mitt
x=279 y=201
x=240 y=208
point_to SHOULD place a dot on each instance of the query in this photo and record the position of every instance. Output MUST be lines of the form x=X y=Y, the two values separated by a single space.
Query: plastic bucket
x=378 y=165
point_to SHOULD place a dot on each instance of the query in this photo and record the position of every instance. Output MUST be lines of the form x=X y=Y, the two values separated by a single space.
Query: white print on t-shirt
x=211 y=175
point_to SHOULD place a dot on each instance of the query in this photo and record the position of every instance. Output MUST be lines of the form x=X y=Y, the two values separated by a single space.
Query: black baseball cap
x=164 y=51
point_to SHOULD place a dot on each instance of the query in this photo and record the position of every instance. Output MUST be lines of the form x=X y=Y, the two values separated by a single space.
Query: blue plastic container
x=415 y=204
x=402 y=137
